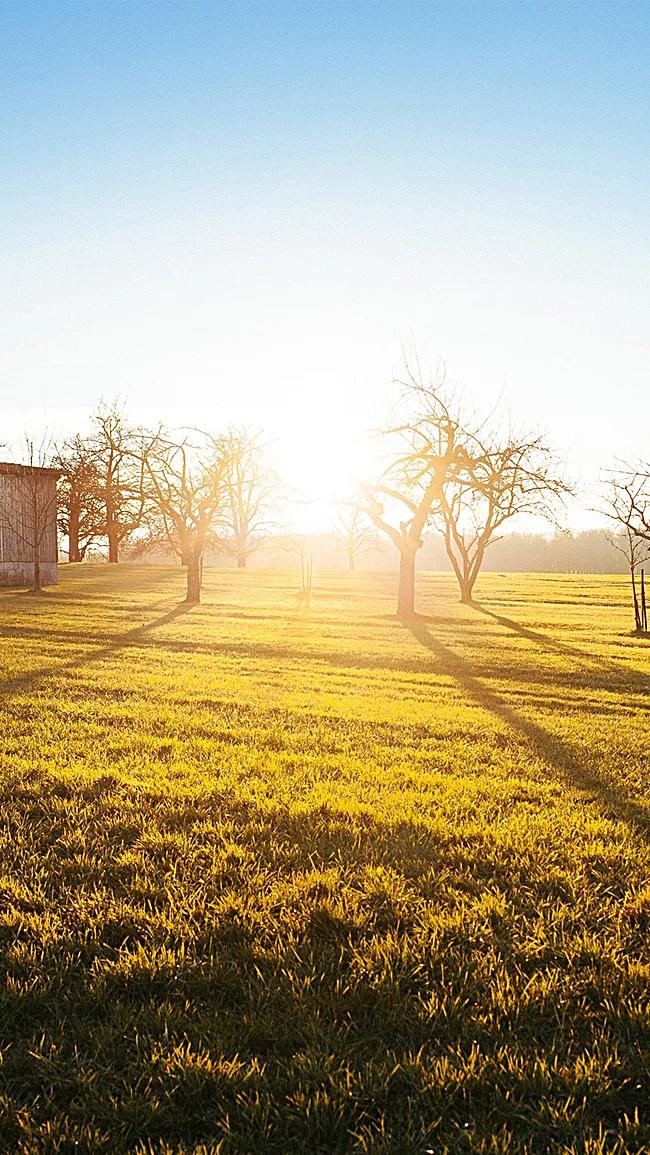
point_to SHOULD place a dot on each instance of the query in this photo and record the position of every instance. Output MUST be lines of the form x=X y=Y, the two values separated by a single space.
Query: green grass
x=276 y=881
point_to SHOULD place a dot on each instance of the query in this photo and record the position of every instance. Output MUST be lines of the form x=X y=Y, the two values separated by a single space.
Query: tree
x=628 y=507
x=351 y=527
x=118 y=458
x=429 y=450
x=80 y=506
x=251 y=494
x=185 y=484
x=30 y=515
x=502 y=478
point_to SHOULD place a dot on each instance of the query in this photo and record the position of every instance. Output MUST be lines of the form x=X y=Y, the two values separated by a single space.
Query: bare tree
x=185 y=483
x=80 y=505
x=30 y=515
x=451 y=474
x=118 y=458
x=251 y=494
x=503 y=478
x=628 y=507
x=351 y=527
x=429 y=449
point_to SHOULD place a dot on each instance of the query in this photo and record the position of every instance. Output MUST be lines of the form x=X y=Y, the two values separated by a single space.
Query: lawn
x=279 y=881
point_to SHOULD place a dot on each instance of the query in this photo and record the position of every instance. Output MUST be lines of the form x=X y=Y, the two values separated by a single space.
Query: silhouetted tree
x=80 y=506
x=351 y=527
x=628 y=507
x=502 y=478
x=252 y=492
x=185 y=484
x=31 y=514
x=119 y=461
x=429 y=451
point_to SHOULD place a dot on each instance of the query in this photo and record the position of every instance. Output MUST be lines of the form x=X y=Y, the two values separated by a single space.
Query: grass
x=277 y=882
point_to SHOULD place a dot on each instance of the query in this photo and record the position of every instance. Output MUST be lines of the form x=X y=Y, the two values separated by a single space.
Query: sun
x=322 y=466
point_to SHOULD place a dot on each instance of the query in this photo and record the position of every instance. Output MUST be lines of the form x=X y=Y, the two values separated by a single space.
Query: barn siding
x=19 y=488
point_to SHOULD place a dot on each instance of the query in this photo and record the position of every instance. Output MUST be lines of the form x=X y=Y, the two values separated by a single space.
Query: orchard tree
x=117 y=451
x=80 y=512
x=251 y=490
x=351 y=527
x=30 y=515
x=427 y=450
x=504 y=477
x=628 y=507
x=185 y=486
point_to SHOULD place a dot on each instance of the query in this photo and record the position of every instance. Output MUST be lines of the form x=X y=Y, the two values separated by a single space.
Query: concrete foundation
x=21 y=573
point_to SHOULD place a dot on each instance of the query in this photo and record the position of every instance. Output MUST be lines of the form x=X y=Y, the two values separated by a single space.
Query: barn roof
x=22 y=470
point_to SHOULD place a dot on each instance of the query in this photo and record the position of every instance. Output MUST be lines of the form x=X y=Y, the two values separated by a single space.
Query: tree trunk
x=73 y=532
x=241 y=559
x=466 y=590
x=194 y=576
x=113 y=544
x=351 y=557
x=111 y=528
x=406 y=585
x=637 y=612
x=37 y=572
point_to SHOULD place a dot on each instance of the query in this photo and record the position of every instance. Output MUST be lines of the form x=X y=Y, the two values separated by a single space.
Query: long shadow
x=552 y=750
x=533 y=635
x=625 y=679
x=121 y=641
x=588 y=677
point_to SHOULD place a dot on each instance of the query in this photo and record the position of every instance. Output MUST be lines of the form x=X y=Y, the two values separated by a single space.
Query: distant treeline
x=590 y=551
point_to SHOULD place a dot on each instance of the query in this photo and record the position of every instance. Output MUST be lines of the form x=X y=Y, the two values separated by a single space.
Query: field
x=282 y=881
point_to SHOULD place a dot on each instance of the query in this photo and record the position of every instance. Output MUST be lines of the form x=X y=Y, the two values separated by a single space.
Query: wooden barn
x=28 y=538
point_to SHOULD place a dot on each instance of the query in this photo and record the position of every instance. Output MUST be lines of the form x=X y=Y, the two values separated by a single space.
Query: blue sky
x=226 y=212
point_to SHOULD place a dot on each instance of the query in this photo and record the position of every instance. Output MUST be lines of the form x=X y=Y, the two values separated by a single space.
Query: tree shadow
x=552 y=750
x=121 y=641
x=635 y=682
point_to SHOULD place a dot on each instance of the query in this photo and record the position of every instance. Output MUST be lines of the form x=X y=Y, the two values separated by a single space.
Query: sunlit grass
x=284 y=881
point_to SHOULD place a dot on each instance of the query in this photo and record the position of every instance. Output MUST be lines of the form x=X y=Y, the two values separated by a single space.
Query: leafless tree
x=627 y=504
x=352 y=528
x=428 y=450
x=30 y=516
x=451 y=474
x=252 y=491
x=185 y=482
x=118 y=457
x=80 y=507
x=503 y=478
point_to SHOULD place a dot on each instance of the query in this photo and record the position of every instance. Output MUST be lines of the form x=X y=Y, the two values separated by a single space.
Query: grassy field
x=279 y=881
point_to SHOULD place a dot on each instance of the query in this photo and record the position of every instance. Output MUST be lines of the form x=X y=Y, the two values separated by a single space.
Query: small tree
x=429 y=450
x=185 y=484
x=118 y=458
x=628 y=507
x=80 y=506
x=351 y=527
x=251 y=489
x=502 y=479
x=31 y=515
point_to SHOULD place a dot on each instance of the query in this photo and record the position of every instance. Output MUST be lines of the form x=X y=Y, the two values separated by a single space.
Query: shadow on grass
x=553 y=751
x=121 y=641
x=175 y=1000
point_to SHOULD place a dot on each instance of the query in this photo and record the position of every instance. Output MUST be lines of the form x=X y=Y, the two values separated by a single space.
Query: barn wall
x=17 y=533
x=21 y=573
x=22 y=495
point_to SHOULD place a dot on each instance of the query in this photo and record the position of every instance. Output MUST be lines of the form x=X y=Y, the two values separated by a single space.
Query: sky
x=246 y=212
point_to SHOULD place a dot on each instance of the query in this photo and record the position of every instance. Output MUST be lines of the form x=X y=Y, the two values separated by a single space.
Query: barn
x=28 y=538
